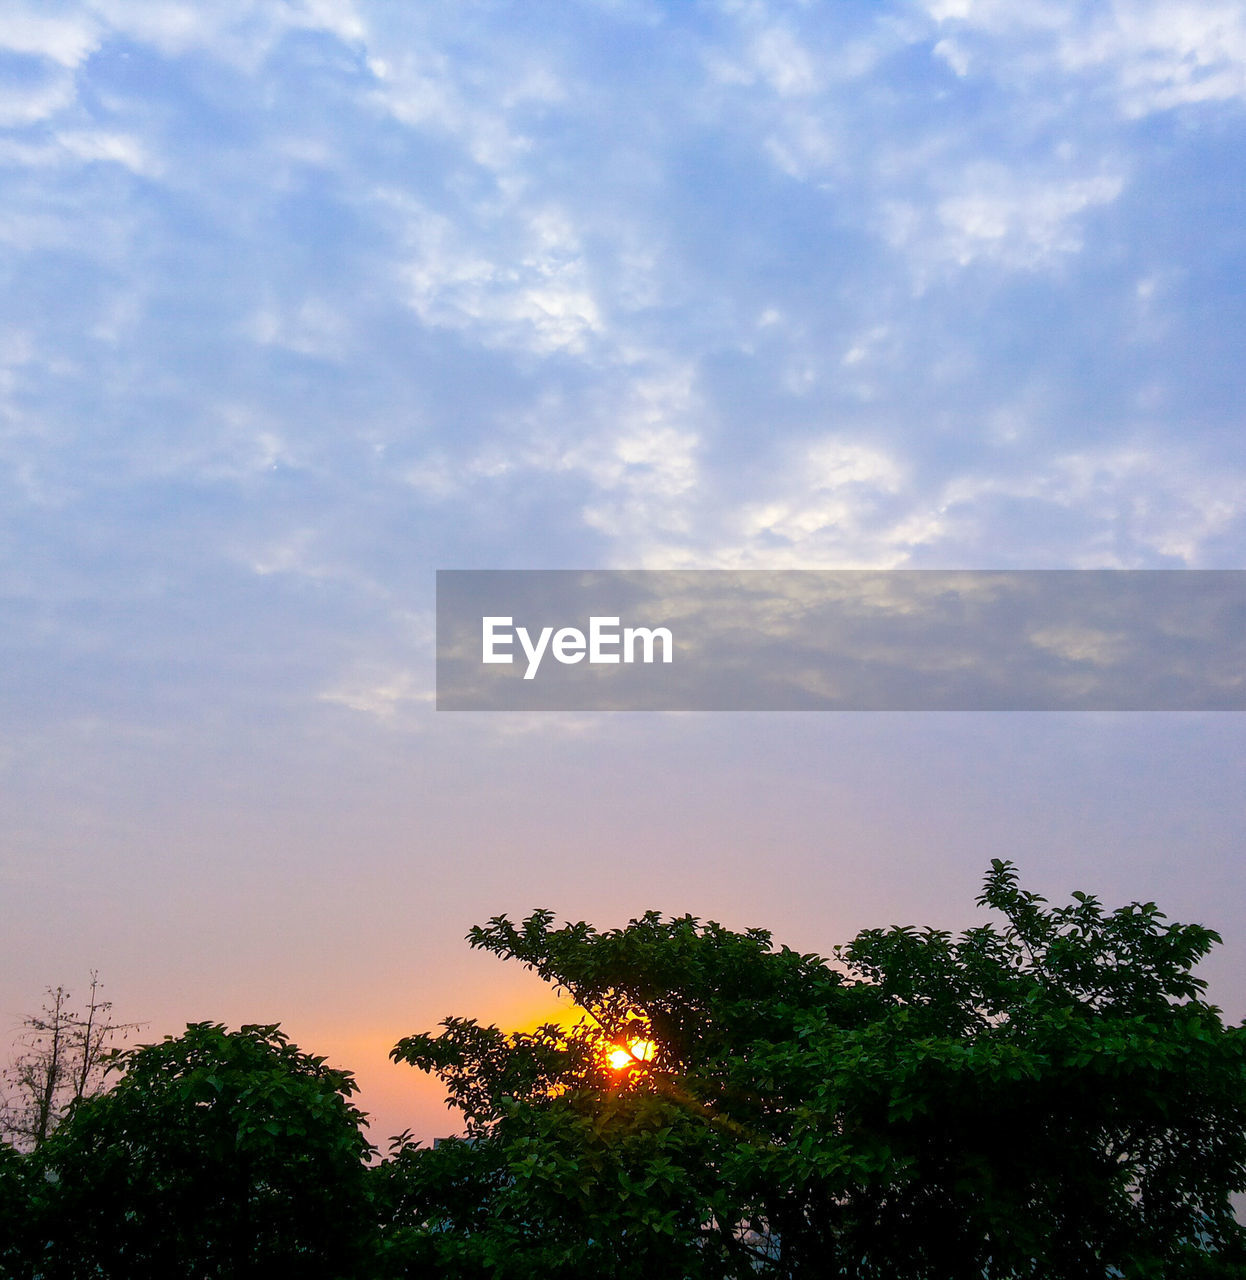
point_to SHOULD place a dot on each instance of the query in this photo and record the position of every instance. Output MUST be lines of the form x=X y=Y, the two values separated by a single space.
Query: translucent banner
x=841 y=640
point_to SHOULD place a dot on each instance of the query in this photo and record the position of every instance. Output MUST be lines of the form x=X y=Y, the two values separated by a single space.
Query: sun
x=633 y=1054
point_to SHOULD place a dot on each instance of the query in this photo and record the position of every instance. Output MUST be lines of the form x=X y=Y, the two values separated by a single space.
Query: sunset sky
x=305 y=301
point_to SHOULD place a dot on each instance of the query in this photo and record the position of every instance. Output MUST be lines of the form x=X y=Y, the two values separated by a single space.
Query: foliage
x=14 y=1214
x=1050 y=1097
x=567 y=1194
x=64 y=1052
x=216 y=1154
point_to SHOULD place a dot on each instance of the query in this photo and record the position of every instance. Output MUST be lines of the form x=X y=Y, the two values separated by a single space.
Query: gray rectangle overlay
x=847 y=640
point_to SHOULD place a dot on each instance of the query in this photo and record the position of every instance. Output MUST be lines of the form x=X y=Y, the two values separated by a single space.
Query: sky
x=304 y=301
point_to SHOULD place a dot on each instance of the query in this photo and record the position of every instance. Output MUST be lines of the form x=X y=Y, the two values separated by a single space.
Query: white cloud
x=473 y=99
x=851 y=505
x=598 y=306
x=532 y=295
x=240 y=33
x=1165 y=54
x=25 y=104
x=786 y=84
x=832 y=508
x=1081 y=644
x=313 y=327
x=954 y=54
x=73 y=147
x=63 y=38
x=1153 y=55
x=784 y=63
x=292 y=553
x=644 y=466
x=1133 y=504
x=89 y=146
x=381 y=695
x=1001 y=216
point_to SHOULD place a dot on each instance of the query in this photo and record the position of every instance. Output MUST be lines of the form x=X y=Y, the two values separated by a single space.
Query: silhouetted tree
x=216 y=1155
x=61 y=1060
x=1049 y=1097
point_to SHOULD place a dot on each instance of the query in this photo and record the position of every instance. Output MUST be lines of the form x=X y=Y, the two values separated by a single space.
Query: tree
x=63 y=1055
x=1050 y=1096
x=15 y=1248
x=216 y=1154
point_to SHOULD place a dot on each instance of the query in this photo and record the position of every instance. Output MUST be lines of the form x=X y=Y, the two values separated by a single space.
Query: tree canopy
x=1046 y=1096
x=1049 y=1095
x=216 y=1154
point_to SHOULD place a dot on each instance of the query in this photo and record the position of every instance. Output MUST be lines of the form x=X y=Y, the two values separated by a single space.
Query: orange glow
x=637 y=1051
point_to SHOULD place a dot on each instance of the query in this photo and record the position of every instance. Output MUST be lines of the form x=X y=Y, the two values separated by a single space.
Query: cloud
x=1122 y=507
x=1150 y=55
x=43 y=91
x=333 y=294
x=830 y=515
x=534 y=296
x=1007 y=219
x=64 y=38
x=381 y=696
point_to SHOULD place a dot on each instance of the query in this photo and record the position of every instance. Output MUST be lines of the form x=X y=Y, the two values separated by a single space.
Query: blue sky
x=305 y=301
